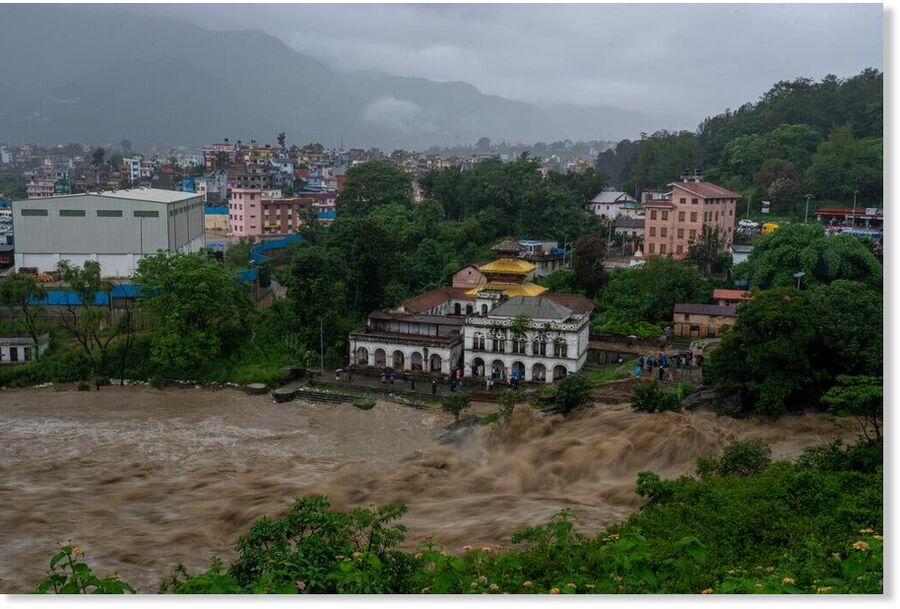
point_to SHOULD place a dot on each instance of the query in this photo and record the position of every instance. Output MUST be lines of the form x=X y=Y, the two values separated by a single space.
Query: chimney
x=686 y=175
x=698 y=175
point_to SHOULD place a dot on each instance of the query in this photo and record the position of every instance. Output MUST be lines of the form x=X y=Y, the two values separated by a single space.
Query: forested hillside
x=802 y=136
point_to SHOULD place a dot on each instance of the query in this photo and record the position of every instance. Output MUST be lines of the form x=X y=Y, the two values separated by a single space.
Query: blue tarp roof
x=216 y=245
x=327 y=215
x=215 y=210
x=59 y=298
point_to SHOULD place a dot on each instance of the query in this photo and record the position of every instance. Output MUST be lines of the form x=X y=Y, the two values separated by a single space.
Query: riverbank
x=144 y=478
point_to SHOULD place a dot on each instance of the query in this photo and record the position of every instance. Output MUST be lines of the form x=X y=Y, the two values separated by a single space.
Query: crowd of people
x=666 y=364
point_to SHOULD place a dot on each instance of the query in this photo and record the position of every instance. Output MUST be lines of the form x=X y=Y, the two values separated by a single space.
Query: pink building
x=244 y=214
x=672 y=224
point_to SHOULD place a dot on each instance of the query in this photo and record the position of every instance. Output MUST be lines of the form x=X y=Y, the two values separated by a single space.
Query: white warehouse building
x=115 y=228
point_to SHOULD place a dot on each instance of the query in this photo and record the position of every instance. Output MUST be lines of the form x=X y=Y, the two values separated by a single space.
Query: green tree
x=98 y=154
x=573 y=392
x=796 y=247
x=563 y=280
x=23 y=293
x=766 y=355
x=862 y=397
x=200 y=308
x=587 y=262
x=281 y=140
x=650 y=292
x=455 y=404
x=708 y=252
x=87 y=321
x=371 y=184
x=843 y=164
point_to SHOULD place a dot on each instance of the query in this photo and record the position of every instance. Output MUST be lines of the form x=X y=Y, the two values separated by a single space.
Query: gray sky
x=679 y=60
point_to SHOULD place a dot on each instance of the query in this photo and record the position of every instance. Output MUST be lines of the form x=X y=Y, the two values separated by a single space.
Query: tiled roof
x=630 y=222
x=515 y=266
x=707 y=190
x=703 y=309
x=723 y=294
x=578 y=304
x=428 y=300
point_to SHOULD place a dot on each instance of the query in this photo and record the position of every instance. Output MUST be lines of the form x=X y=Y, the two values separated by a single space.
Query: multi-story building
x=40 y=188
x=502 y=325
x=115 y=228
x=283 y=215
x=131 y=169
x=219 y=156
x=546 y=256
x=244 y=212
x=672 y=224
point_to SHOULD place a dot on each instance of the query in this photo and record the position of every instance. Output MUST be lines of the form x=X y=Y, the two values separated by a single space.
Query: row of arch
x=538 y=371
x=379 y=360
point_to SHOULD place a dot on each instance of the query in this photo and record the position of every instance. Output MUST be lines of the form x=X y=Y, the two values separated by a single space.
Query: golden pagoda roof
x=509 y=266
x=510 y=288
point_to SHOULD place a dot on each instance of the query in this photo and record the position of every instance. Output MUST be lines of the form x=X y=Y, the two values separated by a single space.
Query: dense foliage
x=802 y=136
x=788 y=346
x=745 y=525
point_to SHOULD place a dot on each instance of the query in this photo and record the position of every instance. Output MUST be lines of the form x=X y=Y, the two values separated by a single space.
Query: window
x=539 y=345
x=653 y=214
x=693 y=216
x=678 y=249
x=665 y=215
x=652 y=248
x=499 y=344
x=34 y=212
x=478 y=342
x=109 y=213
x=730 y=212
x=662 y=249
x=681 y=233
x=652 y=231
x=664 y=232
x=560 y=348
x=681 y=216
x=693 y=201
x=716 y=216
x=518 y=345
x=139 y=213
x=72 y=213
x=693 y=234
x=681 y=200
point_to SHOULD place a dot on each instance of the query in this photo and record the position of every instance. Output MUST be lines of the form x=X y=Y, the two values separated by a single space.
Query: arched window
x=484 y=309
x=478 y=342
x=457 y=309
x=539 y=345
x=518 y=344
x=469 y=309
x=499 y=341
x=560 y=348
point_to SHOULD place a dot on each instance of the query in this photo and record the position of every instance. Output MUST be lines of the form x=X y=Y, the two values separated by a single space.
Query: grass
x=609 y=373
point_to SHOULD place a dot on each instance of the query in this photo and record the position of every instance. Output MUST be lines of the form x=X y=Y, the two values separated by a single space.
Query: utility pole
x=806 y=216
x=853 y=220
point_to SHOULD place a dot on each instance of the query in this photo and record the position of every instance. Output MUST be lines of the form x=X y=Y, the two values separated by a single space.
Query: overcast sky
x=688 y=61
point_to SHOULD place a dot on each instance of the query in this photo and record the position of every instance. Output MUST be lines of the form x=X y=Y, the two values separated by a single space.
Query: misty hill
x=98 y=74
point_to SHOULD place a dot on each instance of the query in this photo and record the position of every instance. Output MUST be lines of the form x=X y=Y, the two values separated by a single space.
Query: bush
x=573 y=392
x=650 y=397
x=455 y=403
x=364 y=403
x=69 y=574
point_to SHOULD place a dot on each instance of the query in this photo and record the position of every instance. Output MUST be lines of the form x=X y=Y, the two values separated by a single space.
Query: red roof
x=578 y=304
x=723 y=294
x=428 y=300
x=706 y=190
x=658 y=203
x=843 y=211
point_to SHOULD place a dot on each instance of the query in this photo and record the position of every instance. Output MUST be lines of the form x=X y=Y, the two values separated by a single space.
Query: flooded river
x=143 y=479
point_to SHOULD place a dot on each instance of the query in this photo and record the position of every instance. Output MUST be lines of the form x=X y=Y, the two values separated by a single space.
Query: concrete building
x=16 y=348
x=244 y=214
x=546 y=256
x=612 y=203
x=131 y=169
x=672 y=224
x=283 y=216
x=115 y=228
x=731 y=297
x=40 y=188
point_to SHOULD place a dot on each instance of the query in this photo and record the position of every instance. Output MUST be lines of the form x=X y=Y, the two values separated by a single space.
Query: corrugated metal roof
x=704 y=309
x=534 y=307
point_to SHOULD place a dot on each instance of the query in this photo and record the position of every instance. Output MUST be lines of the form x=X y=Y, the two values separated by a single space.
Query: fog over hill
x=101 y=74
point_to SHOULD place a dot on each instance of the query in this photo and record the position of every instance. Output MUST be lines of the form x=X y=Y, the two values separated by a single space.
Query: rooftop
x=536 y=308
x=511 y=289
x=629 y=222
x=431 y=299
x=611 y=196
x=511 y=266
x=706 y=190
x=578 y=304
x=723 y=294
x=704 y=309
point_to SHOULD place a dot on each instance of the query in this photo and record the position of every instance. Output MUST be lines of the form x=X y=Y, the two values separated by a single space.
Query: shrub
x=364 y=403
x=455 y=403
x=745 y=458
x=650 y=397
x=573 y=392
x=69 y=574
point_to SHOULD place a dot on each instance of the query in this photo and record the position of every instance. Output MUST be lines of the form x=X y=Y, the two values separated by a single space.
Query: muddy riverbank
x=143 y=478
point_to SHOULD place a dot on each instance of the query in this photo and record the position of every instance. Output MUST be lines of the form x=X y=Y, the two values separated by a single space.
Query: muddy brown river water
x=143 y=479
